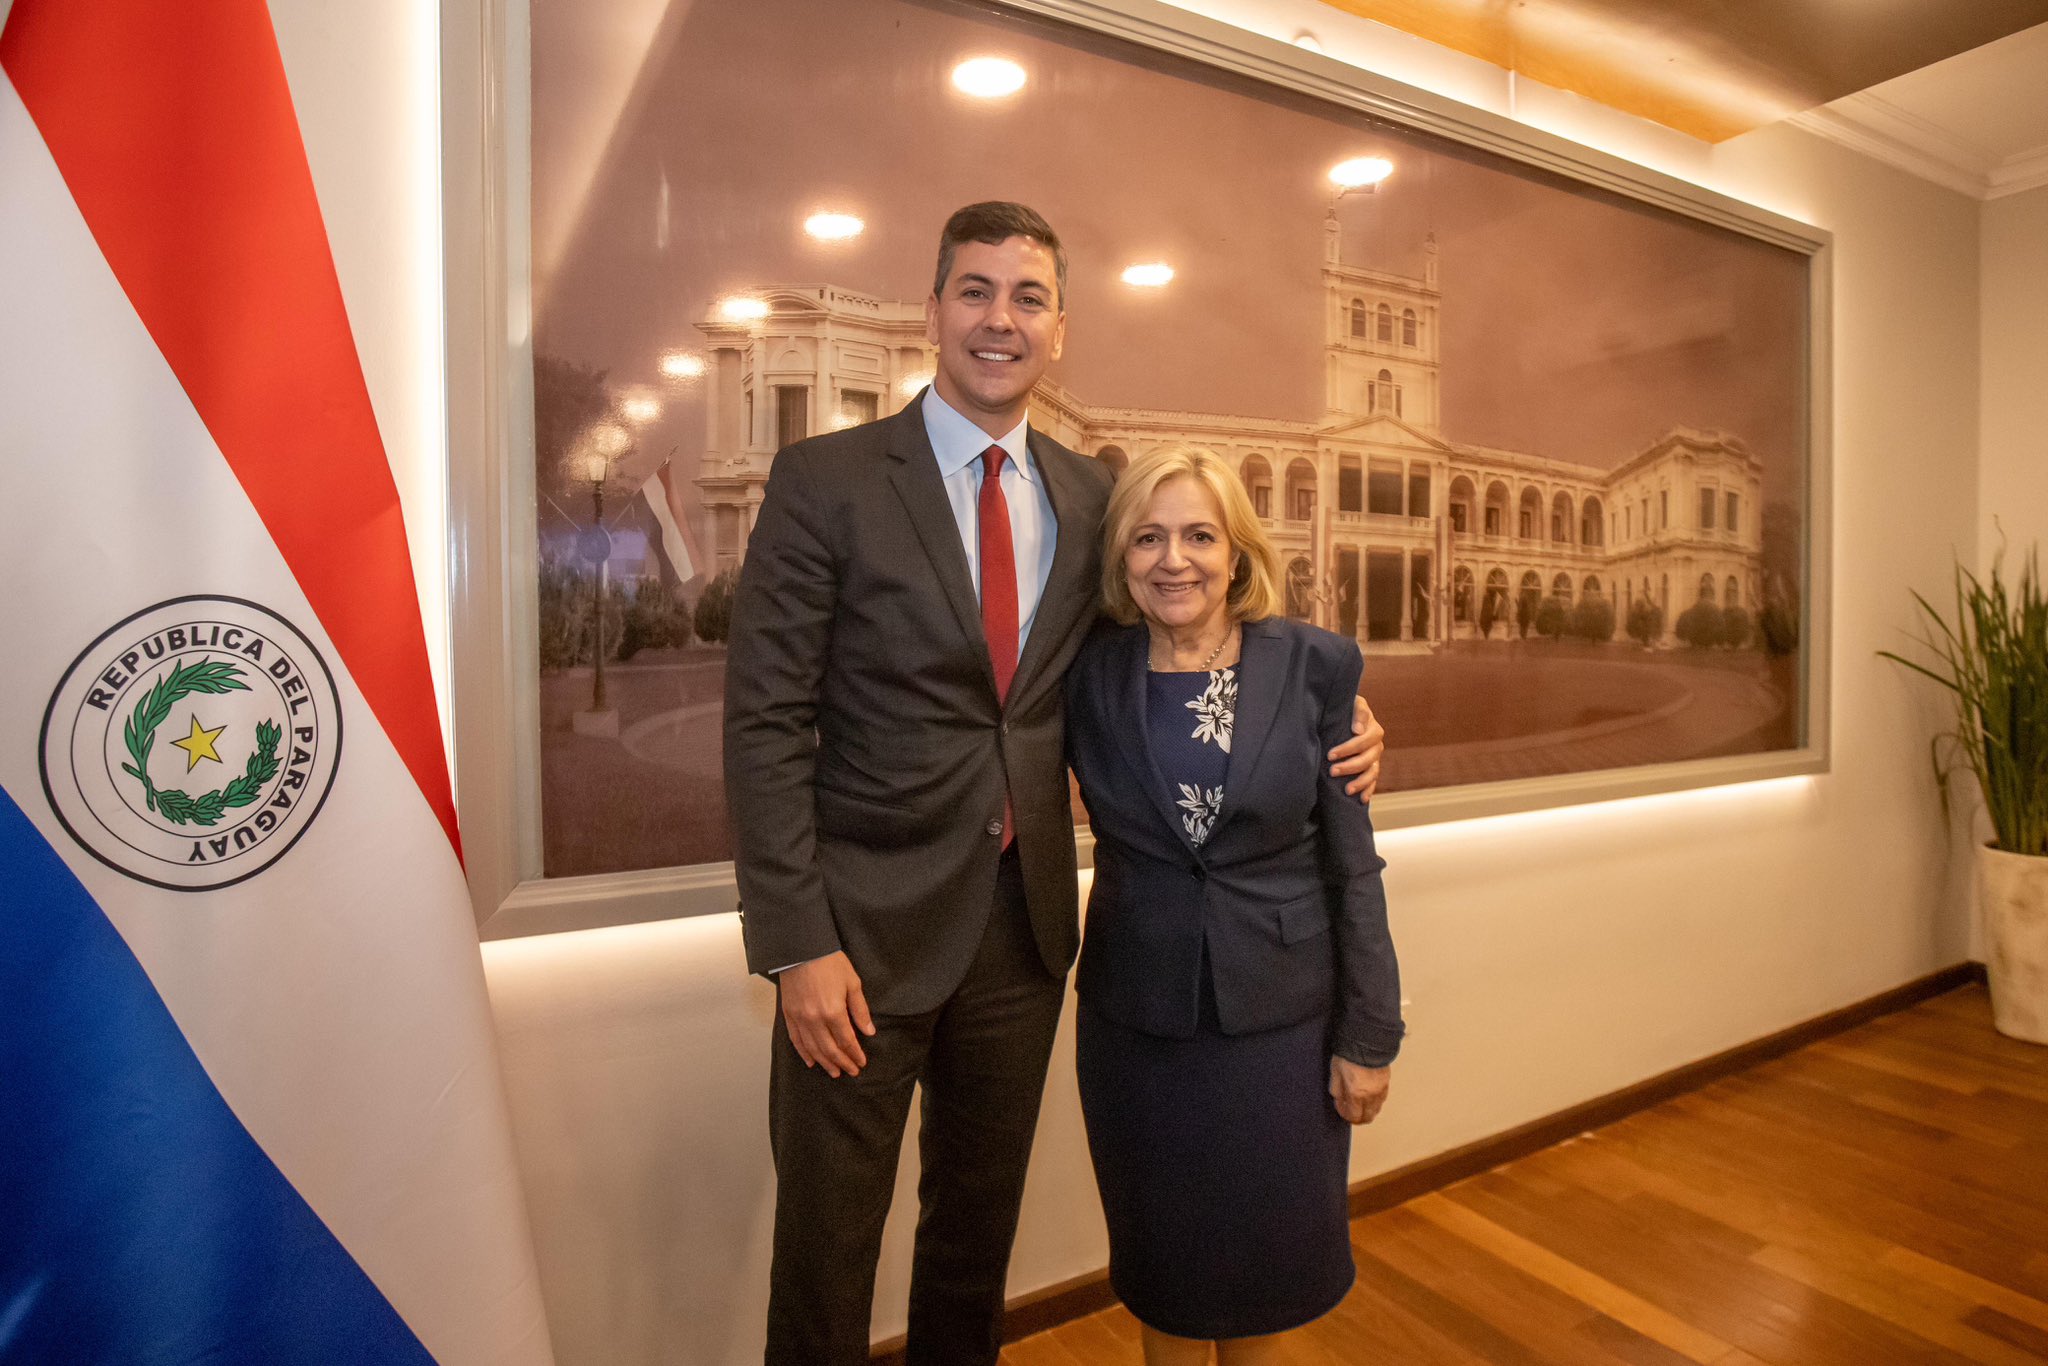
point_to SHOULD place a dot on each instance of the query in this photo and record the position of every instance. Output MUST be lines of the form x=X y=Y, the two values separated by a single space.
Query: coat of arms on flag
x=191 y=744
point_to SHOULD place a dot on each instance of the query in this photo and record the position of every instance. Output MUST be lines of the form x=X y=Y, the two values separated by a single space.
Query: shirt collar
x=958 y=443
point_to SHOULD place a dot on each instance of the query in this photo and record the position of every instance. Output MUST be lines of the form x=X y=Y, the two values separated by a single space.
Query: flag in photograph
x=249 y=1105
x=671 y=545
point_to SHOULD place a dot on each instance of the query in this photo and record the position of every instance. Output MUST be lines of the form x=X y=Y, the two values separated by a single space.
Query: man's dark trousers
x=981 y=1057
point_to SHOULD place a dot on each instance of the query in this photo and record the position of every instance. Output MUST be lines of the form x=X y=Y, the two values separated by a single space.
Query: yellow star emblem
x=199 y=744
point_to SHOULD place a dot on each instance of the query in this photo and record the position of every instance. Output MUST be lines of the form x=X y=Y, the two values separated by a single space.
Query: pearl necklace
x=1203 y=667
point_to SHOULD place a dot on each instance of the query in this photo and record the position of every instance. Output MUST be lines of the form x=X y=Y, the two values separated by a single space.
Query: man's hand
x=1358 y=1091
x=822 y=1005
x=1359 y=757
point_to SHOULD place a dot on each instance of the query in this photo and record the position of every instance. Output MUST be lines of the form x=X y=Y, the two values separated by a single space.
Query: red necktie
x=998 y=590
x=998 y=573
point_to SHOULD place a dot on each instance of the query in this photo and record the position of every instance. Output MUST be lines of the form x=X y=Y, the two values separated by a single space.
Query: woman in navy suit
x=1239 y=999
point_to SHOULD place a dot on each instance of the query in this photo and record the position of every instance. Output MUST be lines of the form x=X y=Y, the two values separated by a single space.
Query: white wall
x=2014 y=471
x=1550 y=958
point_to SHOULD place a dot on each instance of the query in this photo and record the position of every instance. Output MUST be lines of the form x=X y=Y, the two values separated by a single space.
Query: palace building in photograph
x=1391 y=532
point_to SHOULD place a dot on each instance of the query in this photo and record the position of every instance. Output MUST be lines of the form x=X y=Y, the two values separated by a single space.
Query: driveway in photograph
x=1473 y=712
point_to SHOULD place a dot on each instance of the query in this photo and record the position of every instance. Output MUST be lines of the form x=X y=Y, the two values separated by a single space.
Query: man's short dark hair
x=994 y=221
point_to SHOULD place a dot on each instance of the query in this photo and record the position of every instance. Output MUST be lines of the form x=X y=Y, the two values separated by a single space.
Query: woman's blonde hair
x=1255 y=572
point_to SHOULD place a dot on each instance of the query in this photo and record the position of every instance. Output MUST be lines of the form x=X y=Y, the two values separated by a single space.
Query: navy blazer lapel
x=1065 y=595
x=1262 y=681
x=1131 y=688
x=916 y=477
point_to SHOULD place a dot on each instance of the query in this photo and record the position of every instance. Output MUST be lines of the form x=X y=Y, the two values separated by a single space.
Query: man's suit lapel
x=915 y=474
x=1261 y=682
x=1066 y=594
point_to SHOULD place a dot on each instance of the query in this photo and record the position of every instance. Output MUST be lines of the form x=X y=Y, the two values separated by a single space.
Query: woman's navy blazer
x=1285 y=893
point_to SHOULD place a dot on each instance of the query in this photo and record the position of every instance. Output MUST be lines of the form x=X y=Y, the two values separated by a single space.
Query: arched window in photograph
x=1589 y=523
x=1707 y=588
x=1734 y=597
x=1383 y=395
x=1301 y=491
x=1497 y=591
x=1497 y=510
x=1561 y=519
x=1527 y=519
x=1409 y=330
x=1461 y=593
x=1258 y=482
x=1114 y=457
x=1561 y=587
x=1384 y=316
x=1358 y=317
x=1462 y=499
x=1591 y=587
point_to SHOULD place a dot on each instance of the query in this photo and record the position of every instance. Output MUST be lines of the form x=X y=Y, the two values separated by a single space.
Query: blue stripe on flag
x=139 y=1221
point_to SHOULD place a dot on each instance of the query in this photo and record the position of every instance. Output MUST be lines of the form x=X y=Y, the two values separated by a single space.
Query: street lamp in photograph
x=593 y=466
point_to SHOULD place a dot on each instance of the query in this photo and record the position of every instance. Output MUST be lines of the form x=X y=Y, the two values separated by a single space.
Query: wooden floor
x=1880 y=1197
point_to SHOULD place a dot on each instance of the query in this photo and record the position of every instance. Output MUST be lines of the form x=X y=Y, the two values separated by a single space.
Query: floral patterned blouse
x=1188 y=720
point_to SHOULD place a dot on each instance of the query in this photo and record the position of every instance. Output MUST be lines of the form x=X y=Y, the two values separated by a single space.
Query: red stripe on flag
x=174 y=129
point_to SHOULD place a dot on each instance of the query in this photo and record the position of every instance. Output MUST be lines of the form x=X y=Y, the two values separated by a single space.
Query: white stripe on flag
x=655 y=491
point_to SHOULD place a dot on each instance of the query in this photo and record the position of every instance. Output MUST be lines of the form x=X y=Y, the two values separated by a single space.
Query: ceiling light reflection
x=640 y=408
x=682 y=365
x=741 y=309
x=988 y=78
x=1360 y=171
x=833 y=227
x=909 y=385
x=1148 y=275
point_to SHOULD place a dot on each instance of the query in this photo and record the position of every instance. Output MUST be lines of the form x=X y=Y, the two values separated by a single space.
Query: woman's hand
x=1358 y=1091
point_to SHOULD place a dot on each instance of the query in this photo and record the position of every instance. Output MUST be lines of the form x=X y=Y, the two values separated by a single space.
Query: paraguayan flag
x=249 y=1108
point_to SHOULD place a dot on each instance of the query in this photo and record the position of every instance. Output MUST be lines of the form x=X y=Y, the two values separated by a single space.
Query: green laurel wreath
x=180 y=808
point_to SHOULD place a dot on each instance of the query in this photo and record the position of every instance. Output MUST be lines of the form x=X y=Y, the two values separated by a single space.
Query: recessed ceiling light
x=833 y=227
x=1361 y=171
x=1148 y=275
x=988 y=78
x=741 y=309
x=682 y=365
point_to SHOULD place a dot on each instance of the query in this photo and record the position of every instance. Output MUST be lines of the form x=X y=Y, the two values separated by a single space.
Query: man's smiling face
x=997 y=323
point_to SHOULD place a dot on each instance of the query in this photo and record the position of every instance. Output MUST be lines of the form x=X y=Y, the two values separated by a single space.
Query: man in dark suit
x=913 y=592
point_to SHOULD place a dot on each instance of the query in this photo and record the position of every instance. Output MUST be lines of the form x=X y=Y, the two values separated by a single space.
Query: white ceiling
x=1976 y=122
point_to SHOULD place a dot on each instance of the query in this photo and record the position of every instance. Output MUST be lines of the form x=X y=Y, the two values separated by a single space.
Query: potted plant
x=1993 y=659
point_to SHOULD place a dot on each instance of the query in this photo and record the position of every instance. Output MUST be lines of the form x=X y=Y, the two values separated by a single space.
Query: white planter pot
x=2012 y=896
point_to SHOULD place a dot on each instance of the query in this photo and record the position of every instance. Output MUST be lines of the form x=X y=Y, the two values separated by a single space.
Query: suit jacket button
x=995 y=827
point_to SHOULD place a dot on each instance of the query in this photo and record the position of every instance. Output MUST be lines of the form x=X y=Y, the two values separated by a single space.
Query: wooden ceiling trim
x=1705 y=67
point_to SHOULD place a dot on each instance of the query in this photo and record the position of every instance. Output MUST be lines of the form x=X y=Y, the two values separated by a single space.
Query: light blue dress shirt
x=1034 y=530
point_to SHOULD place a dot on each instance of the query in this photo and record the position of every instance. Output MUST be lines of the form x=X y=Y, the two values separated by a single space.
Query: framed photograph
x=1541 y=429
